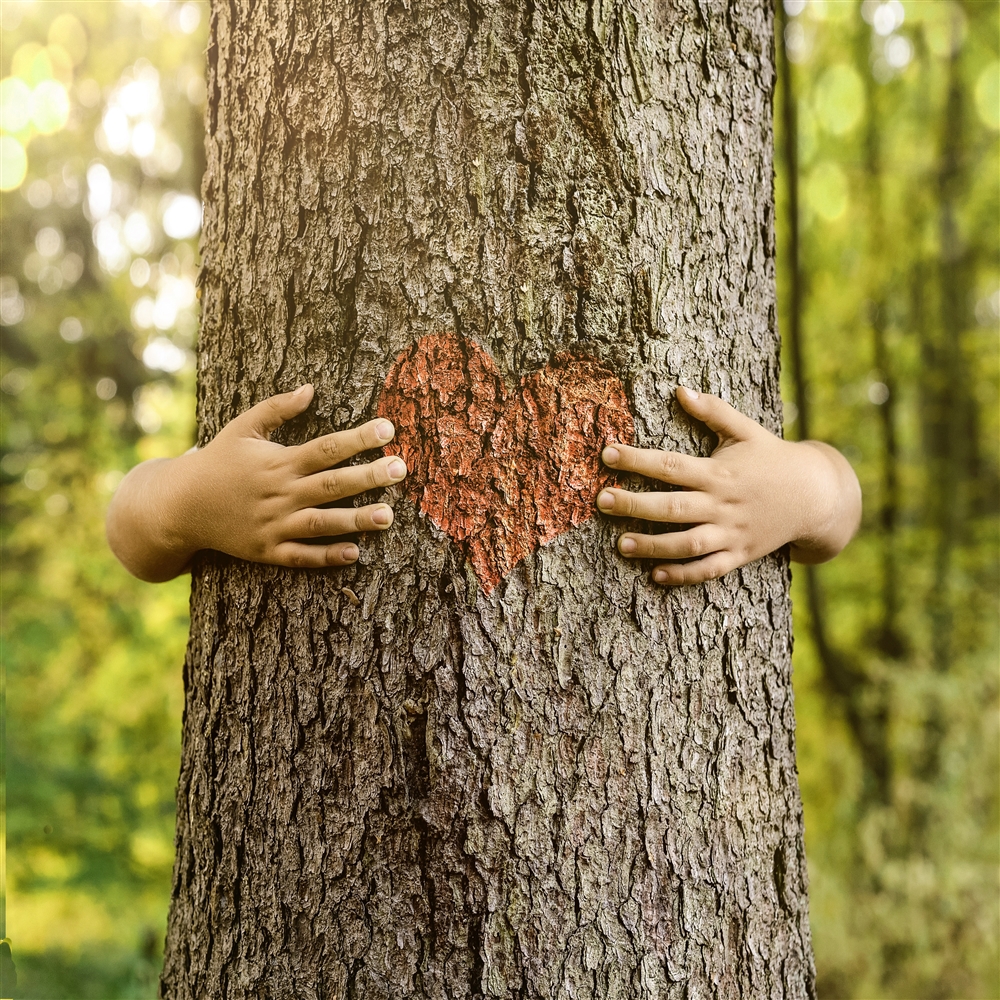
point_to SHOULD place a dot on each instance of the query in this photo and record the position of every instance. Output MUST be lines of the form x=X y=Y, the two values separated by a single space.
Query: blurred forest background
x=887 y=117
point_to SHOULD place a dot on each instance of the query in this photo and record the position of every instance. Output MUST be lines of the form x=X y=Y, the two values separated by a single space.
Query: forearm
x=836 y=506
x=143 y=522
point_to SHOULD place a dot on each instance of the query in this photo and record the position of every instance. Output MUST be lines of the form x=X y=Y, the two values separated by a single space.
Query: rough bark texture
x=501 y=771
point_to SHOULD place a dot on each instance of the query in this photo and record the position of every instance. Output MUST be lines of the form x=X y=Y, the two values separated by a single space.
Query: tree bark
x=492 y=759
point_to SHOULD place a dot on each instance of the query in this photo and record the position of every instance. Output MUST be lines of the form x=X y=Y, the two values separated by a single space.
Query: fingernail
x=611 y=456
x=693 y=394
x=384 y=430
x=351 y=552
x=301 y=389
x=382 y=516
x=606 y=500
x=660 y=576
x=627 y=546
x=397 y=469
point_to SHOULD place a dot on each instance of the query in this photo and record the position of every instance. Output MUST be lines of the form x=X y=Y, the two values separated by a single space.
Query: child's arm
x=755 y=494
x=250 y=497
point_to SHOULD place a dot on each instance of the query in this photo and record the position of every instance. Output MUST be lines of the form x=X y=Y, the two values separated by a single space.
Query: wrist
x=831 y=503
x=177 y=519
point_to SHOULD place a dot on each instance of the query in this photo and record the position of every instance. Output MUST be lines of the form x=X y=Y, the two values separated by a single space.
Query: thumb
x=720 y=417
x=270 y=414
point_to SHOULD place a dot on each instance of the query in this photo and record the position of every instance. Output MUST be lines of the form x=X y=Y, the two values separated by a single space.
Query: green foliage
x=97 y=300
x=897 y=146
x=897 y=737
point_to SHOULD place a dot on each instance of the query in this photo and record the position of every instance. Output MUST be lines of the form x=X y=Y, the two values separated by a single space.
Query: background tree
x=490 y=762
x=903 y=889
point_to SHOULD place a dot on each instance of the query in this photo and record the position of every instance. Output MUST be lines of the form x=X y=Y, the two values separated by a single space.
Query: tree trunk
x=492 y=759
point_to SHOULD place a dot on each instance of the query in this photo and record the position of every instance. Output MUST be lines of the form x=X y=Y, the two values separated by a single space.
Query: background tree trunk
x=509 y=767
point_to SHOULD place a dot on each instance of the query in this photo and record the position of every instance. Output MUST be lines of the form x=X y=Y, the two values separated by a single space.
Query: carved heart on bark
x=501 y=471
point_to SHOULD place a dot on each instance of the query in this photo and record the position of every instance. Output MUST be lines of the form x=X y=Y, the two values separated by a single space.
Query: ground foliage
x=895 y=134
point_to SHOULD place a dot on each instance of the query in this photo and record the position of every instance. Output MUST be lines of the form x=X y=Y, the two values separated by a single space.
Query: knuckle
x=669 y=461
x=297 y=559
x=695 y=546
x=315 y=524
x=331 y=449
x=331 y=485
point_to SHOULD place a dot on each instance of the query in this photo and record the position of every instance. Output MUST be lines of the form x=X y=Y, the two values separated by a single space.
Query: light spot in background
x=143 y=139
x=146 y=417
x=170 y=158
x=113 y=255
x=32 y=63
x=110 y=481
x=71 y=330
x=791 y=413
x=839 y=98
x=12 y=15
x=12 y=464
x=15 y=381
x=71 y=267
x=164 y=311
x=15 y=104
x=48 y=241
x=141 y=95
x=142 y=313
x=88 y=92
x=50 y=279
x=56 y=505
x=189 y=18
x=898 y=51
x=39 y=194
x=799 y=42
x=181 y=216
x=35 y=479
x=11 y=302
x=137 y=233
x=106 y=388
x=69 y=34
x=988 y=309
x=162 y=354
x=196 y=90
x=116 y=131
x=988 y=95
x=794 y=7
x=139 y=272
x=826 y=190
x=878 y=393
x=99 y=191
x=885 y=18
x=50 y=107
x=13 y=163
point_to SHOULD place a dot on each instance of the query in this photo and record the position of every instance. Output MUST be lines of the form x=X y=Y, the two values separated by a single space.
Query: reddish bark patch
x=502 y=472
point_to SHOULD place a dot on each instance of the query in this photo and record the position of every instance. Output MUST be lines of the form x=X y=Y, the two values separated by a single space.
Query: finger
x=332 y=449
x=698 y=541
x=302 y=556
x=350 y=481
x=685 y=574
x=667 y=466
x=718 y=414
x=270 y=414
x=321 y=522
x=679 y=507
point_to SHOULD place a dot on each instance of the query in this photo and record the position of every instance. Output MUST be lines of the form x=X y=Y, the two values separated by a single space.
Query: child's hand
x=250 y=497
x=755 y=494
